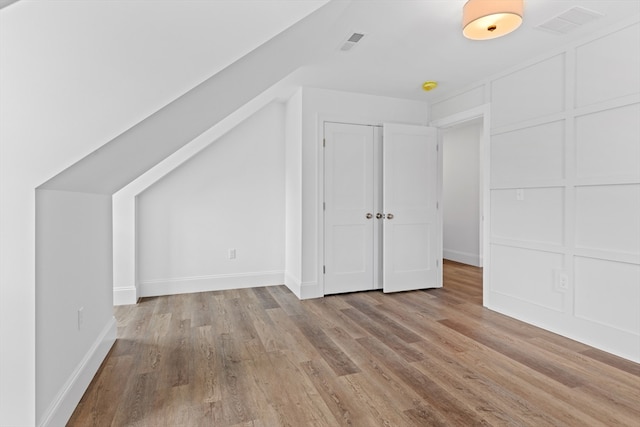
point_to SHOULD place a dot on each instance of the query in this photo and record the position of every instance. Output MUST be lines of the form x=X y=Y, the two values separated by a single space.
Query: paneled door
x=382 y=228
x=412 y=250
x=352 y=191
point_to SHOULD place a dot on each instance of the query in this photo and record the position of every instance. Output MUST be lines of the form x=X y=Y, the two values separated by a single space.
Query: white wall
x=229 y=196
x=319 y=105
x=42 y=131
x=56 y=113
x=461 y=192
x=73 y=272
x=565 y=190
x=125 y=281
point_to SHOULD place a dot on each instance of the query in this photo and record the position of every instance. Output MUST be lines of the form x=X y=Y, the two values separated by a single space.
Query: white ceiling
x=124 y=60
x=410 y=41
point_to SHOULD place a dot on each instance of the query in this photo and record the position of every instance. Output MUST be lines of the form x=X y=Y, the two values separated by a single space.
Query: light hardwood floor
x=261 y=357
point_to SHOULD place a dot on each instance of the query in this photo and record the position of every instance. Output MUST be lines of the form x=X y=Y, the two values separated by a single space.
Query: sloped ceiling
x=5 y=3
x=78 y=74
x=128 y=59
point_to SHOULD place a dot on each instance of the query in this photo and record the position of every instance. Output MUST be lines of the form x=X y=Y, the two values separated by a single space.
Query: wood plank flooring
x=260 y=357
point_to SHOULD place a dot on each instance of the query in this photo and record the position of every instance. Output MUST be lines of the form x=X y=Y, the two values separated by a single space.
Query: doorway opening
x=466 y=202
x=461 y=191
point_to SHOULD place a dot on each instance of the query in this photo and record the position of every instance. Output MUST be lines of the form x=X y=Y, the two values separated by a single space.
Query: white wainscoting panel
x=527 y=275
x=608 y=293
x=531 y=154
x=608 y=218
x=608 y=67
x=608 y=143
x=520 y=95
x=563 y=230
x=538 y=218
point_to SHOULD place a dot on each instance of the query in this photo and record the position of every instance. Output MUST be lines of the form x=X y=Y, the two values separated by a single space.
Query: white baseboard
x=462 y=257
x=607 y=338
x=221 y=282
x=125 y=295
x=62 y=407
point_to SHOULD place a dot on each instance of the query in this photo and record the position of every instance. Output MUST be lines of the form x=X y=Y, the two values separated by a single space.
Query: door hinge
x=437 y=205
x=324 y=269
x=437 y=147
x=324 y=206
x=324 y=142
x=437 y=263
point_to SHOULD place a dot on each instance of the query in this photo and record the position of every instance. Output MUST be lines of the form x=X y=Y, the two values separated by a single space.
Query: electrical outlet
x=80 y=318
x=520 y=194
x=232 y=254
x=561 y=281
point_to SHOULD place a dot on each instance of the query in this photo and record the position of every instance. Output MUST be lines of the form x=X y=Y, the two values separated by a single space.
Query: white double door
x=382 y=223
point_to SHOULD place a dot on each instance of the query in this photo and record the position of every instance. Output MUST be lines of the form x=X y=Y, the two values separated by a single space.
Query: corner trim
x=309 y=290
x=69 y=396
x=125 y=295
x=293 y=283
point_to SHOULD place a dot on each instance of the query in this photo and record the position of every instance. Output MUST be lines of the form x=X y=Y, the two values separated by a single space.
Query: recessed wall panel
x=531 y=154
x=527 y=275
x=352 y=166
x=608 y=292
x=608 y=218
x=410 y=160
x=608 y=143
x=414 y=254
x=530 y=215
x=528 y=93
x=608 y=67
x=349 y=248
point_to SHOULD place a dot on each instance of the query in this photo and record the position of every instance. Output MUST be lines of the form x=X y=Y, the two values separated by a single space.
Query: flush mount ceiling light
x=488 y=19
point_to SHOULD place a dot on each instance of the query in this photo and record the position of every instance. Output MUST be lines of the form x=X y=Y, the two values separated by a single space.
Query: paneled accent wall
x=564 y=241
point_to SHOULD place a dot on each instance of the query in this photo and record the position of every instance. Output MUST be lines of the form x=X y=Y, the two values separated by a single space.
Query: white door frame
x=481 y=112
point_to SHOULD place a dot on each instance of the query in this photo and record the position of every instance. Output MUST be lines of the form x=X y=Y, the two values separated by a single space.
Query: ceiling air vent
x=351 y=41
x=569 y=20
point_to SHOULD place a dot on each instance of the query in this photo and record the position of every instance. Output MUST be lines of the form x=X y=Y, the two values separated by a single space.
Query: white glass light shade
x=488 y=19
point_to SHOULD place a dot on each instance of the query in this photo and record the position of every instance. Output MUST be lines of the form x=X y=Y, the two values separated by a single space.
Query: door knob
x=369 y=216
x=389 y=216
x=379 y=215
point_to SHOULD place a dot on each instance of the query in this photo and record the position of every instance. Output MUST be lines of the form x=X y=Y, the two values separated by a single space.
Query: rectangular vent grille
x=569 y=20
x=355 y=37
x=351 y=41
